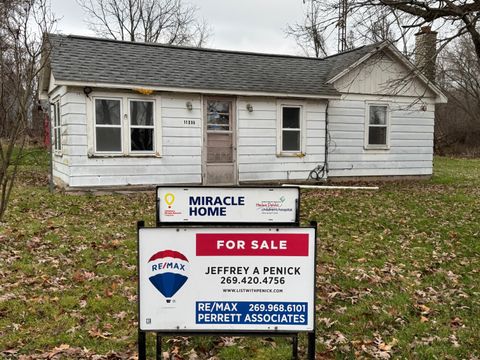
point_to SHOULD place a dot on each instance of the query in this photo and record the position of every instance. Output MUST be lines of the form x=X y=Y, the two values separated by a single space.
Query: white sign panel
x=237 y=279
x=204 y=204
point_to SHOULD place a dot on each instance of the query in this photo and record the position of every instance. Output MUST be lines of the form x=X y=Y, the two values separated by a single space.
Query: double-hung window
x=124 y=126
x=291 y=129
x=108 y=125
x=142 y=126
x=377 y=123
x=57 y=128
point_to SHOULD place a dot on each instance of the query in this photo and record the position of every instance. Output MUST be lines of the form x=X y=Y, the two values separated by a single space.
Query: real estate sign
x=228 y=204
x=241 y=279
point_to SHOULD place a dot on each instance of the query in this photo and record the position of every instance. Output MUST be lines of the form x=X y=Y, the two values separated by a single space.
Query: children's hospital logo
x=169 y=199
x=168 y=271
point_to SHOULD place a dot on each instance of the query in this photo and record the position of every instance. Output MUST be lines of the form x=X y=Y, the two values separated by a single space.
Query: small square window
x=109 y=139
x=107 y=112
x=142 y=139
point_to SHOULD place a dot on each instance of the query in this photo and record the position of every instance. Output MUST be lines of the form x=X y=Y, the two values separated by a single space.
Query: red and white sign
x=252 y=244
x=206 y=279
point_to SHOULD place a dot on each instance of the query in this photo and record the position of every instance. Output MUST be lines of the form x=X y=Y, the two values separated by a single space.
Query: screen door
x=219 y=144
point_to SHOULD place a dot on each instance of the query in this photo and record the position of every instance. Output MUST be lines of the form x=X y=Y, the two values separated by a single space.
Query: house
x=148 y=114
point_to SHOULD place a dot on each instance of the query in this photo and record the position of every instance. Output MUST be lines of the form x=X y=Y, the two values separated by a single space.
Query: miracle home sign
x=243 y=279
x=222 y=205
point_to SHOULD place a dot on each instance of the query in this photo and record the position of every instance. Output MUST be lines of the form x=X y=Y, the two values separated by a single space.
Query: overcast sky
x=249 y=25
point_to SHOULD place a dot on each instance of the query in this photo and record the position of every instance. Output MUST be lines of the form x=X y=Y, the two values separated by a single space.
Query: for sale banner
x=237 y=279
x=229 y=204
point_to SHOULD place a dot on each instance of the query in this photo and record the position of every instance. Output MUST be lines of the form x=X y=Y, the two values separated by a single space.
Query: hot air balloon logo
x=169 y=271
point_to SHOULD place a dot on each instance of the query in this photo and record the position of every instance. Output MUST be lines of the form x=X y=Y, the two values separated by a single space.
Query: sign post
x=250 y=271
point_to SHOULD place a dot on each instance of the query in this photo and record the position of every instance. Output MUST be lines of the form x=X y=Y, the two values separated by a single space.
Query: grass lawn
x=398 y=272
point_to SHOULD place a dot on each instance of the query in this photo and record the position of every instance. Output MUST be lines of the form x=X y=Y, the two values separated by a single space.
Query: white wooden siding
x=411 y=139
x=257 y=141
x=181 y=150
x=60 y=162
x=382 y=75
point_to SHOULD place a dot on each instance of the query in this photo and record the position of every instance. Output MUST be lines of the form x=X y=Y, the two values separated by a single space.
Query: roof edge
x=375 y=49
x=195 y=90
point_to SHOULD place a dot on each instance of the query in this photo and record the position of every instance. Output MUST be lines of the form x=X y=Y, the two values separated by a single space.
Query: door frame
x=233 y=122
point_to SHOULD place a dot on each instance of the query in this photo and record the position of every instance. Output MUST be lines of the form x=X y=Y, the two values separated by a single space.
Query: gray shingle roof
x=343 y=60
x=83 y=59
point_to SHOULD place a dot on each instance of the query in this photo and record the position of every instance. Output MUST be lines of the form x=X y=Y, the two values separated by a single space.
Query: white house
x=147 y=114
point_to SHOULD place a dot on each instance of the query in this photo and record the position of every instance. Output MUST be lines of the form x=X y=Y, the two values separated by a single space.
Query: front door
x=219 y=145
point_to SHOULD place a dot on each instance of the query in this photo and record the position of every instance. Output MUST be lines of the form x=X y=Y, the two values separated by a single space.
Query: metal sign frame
x=311 y=346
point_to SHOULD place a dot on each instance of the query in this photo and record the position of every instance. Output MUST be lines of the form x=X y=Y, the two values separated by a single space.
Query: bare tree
x=457 y=125
x=22 y=24
x=452 y=18
x=163 y=21
x=309 y=34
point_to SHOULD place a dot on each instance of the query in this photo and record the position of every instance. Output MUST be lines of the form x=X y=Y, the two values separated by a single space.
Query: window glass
x=378 y=115
x=218 y=115
x=114 y=117
x=291 y=117
x=141 y=125
x=141 y=139
x=377 y=125
x=291 y=128
x=377 y=135
x=57 y=130
x=107 y=112
x=108 y=125
x=109 y=139
x=141 y=113
x=291 y=140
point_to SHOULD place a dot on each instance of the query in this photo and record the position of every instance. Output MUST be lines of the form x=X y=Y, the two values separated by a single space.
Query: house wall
x=180 y=156
x=410 y=132
x=382 y=75
x=179 y=160
x=259 y=157
x=382 y=80
x=60 y=160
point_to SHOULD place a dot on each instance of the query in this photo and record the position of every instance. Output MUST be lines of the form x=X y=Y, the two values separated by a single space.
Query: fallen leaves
x=398 y=264
x=94 y=332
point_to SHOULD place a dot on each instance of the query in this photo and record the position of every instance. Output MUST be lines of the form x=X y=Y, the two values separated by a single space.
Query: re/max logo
x=168 y=265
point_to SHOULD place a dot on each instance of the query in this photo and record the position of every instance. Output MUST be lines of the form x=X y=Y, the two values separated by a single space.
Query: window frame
x=95 y=125
x=124 y=98
x=57 y=128
x=130 y=127
x=387 y=126
x=280 y=129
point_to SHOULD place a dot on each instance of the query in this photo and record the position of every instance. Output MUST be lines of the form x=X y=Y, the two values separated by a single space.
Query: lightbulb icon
x=169 y=199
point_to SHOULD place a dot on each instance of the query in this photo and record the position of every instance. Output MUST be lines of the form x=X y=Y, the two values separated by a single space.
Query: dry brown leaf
x=96 y=333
